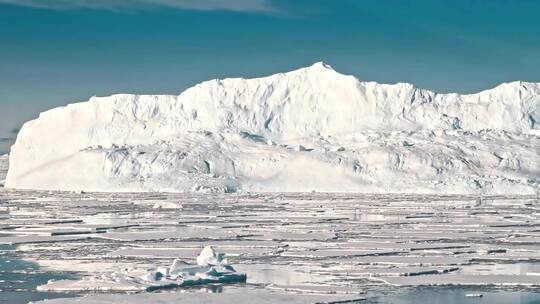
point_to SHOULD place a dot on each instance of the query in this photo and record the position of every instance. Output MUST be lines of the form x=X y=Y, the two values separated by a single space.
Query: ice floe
x=465 y=280
x=260 y=296
x=327 y=246
x=211 y=268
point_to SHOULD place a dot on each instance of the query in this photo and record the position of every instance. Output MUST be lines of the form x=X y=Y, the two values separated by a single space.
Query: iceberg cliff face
x=3 y=168
x=245 y=134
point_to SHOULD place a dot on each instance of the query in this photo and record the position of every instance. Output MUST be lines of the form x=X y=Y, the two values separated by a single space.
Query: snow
x=309 y=129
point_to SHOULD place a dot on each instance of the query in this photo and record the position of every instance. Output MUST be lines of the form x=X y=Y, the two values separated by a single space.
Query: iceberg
x=312 y=129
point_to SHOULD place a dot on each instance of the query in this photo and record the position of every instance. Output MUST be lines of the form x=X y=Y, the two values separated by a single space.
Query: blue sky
x=53 y=52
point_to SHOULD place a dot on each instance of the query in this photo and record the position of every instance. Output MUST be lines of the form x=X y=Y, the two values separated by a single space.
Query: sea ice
x=212 y=268
x=464 y=280
x=240 y=296
x=298 y=244
x=209 y=257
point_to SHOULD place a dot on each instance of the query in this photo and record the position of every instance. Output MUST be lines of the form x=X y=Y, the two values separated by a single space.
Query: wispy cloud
x=229 y=5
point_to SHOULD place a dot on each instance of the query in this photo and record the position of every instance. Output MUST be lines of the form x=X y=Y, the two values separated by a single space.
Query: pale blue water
x=19 y=279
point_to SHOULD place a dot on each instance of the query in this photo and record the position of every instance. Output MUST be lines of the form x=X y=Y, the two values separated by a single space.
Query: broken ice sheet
x=210 y=268
x=140 y=238
x=361 y=272
x=26 y=239
x=318 y=289
x=232 y=295
x=182 y=252
x=338 y=253
x=179 y=233
x=500 y=280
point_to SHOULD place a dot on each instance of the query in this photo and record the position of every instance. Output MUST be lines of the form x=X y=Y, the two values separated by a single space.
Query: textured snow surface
x=309 y=129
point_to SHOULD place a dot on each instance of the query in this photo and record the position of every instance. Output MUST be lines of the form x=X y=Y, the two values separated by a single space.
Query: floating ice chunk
x=212 y=269
x=176 y=267
x=167 y=205
x=210 y=257
x=164 y=270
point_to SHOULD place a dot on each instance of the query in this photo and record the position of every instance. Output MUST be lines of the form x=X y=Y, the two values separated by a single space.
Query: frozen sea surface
x=297 y=248
x=19 y=279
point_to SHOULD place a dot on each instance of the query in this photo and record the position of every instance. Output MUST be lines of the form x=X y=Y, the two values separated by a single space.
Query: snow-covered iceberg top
x=139 y=142
x=211 y=268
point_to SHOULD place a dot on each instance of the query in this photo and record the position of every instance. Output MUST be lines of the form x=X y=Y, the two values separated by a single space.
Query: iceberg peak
x=319 y=68
x=322 y=65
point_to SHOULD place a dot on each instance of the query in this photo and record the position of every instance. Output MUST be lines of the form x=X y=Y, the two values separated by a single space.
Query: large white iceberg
x=309 y=129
